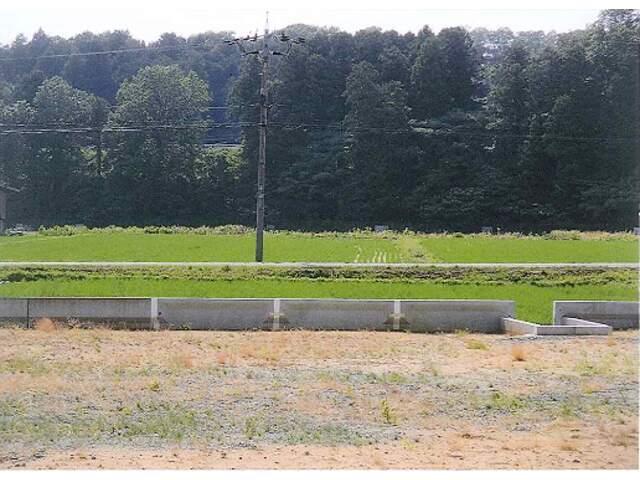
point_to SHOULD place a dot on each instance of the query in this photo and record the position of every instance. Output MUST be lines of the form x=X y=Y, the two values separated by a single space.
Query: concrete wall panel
x=336 y=314
x=451 y=315
x=619 y=315
x=130 y=313
x=213 y=313
x=14 y=311
x=512 y=326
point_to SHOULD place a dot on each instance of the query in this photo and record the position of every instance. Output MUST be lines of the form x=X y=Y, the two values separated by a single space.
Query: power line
x=229 y=42
x=123 y=129
x=108 y=52
x=203 y=125
x=127 y=124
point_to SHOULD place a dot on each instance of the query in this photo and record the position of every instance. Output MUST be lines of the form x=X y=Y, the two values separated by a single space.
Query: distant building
x=4 y=191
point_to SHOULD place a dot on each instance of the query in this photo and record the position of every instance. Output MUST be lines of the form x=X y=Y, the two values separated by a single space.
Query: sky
x=147 y=19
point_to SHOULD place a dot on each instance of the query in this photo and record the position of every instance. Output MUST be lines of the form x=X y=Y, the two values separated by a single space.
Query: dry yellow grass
x=518 y=353
x=624 y=436
x=45 y=325
x=475 y=344
x=592 y=387
x=183 y=360
x=568 y=446
x=340 y=378
x=222 y=358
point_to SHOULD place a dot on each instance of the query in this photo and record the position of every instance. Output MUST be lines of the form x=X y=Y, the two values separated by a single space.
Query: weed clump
x=518 y=353
x=154 y=386
x=504 y=402
x=253 y=428
x=475 y=344
x=388 y=414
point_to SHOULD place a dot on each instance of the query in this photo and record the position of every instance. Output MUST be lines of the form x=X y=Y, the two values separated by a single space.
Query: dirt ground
x=129 y=400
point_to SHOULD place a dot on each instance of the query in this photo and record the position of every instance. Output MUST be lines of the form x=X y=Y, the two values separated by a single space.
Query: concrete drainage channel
x=485 y=316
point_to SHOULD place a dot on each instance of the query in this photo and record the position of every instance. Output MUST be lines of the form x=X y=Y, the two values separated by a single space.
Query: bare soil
x=113 y=399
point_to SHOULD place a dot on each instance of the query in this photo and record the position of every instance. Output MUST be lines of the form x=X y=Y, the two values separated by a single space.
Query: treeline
x=450 y=131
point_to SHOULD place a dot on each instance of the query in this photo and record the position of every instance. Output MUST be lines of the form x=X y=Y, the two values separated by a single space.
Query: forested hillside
x=449 y=131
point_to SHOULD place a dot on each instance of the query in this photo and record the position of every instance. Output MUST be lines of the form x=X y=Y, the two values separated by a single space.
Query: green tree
x=428 y=97
x=460 y=66
x=53 y=169
x=151 y=161
x=379 y=169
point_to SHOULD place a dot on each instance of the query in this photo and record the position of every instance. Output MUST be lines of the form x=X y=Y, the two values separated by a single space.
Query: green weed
x=388 y=414
x=475 y=344
x=504 y=402
x=253 y=427
x=154 y=386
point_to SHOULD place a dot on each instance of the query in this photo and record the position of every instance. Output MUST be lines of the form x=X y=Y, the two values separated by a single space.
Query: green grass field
x=533 y=290
x=291 y=247
x=490 y=250
x=196 y=248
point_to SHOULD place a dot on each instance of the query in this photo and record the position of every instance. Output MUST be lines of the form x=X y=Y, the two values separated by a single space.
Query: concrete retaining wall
x=569 y=326
x=488 y=316
x=335 y=314
x=619 y=315
x=518 y=327
x=14 y=311
x=213 y=313
x=450 y=315
x=273 y=314
x=130 y=313
x=584 y=327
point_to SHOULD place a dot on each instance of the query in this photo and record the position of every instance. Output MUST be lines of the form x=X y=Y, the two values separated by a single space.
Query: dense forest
x=451 y=131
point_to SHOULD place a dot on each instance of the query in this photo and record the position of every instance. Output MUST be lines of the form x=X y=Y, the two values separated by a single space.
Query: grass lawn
x=291 y=247
x=533 y=302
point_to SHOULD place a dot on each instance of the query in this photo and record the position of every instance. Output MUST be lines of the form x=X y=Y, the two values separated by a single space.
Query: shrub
x=563 y=235
x=62 y=230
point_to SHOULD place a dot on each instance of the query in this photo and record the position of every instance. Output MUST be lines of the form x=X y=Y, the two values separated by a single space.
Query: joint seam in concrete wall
x=276 y=315
x=397 y=312
x=155 y=324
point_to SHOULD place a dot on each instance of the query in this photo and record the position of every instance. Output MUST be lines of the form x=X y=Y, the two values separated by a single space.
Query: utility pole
x=262 y=149
x=264 y=55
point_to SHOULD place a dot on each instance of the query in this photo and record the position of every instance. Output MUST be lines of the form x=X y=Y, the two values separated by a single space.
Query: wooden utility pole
x=264 y=54
x=262 y=149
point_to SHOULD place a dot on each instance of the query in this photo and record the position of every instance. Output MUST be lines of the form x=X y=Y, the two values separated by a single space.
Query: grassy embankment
x=533 y=290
